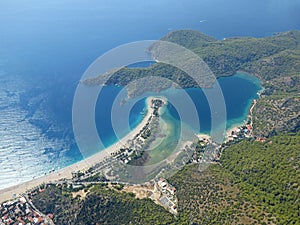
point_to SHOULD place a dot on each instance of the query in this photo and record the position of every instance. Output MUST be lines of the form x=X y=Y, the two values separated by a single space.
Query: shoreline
x=244 y=123
x=66 y=173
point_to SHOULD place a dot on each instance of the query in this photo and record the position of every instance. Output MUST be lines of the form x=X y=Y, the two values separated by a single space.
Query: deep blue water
x=45 y=47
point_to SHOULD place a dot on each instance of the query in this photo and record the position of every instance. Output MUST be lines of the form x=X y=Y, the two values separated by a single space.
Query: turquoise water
x=238 y=90
x=170 y=142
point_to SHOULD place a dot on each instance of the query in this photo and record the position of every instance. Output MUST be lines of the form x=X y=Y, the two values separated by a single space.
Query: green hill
x=256 y=183
x=190 y=39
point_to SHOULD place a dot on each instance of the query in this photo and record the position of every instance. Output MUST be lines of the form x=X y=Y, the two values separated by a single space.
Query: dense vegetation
x=102 y=205
x=59 y=202
x=255 y=183
x=164 y=72
x=106 y=206
x=277 y=113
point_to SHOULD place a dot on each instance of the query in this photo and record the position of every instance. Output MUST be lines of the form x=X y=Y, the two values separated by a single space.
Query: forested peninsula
x=275 y=60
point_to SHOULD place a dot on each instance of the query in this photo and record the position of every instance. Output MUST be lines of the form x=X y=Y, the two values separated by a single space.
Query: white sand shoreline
x=7 y=193
x=10 y=192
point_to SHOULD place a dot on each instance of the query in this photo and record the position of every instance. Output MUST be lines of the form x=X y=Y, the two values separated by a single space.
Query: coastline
x=249 y=116
x=66 y=173
x=234 y=126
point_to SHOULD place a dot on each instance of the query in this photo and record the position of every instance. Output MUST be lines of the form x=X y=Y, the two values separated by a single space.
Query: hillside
x=102 y=205
x=255 y=183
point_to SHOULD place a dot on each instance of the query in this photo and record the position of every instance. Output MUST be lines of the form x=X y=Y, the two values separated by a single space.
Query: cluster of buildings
x=168 y=197
x=206 y=150
x=20 y=212
x=240 y=132
x=201 y=148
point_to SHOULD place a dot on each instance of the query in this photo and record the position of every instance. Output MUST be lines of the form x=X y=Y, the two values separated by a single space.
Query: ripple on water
x=23 y=143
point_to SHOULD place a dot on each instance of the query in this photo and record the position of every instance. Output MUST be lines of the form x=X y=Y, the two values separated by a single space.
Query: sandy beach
x=10 y=192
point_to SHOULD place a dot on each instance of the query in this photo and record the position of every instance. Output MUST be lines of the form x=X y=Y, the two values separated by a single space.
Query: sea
x=46 y=46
